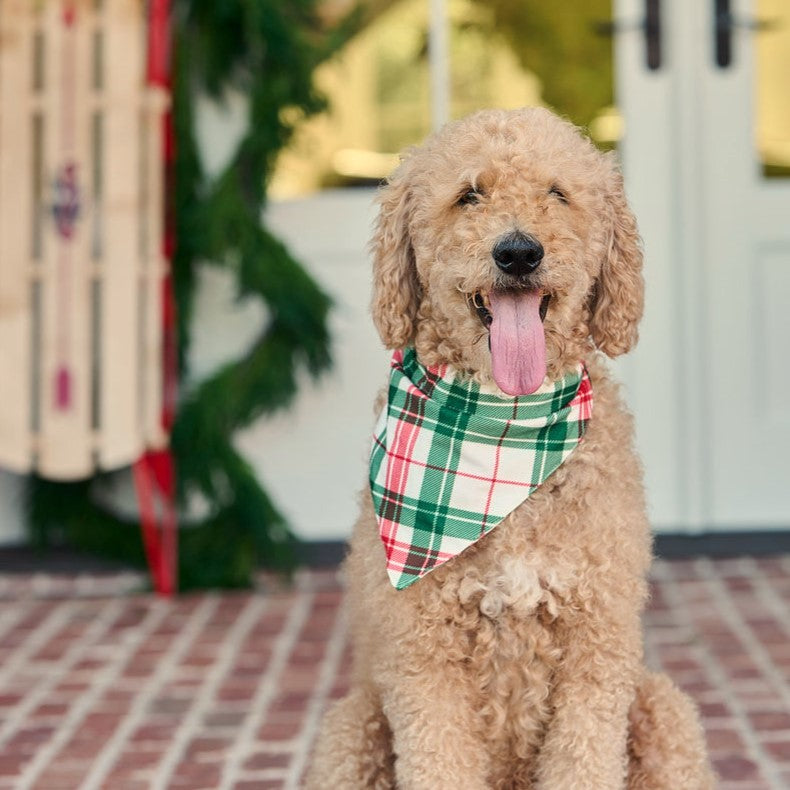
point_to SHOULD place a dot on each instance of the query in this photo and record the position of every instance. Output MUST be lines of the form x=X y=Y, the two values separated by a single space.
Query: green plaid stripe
x=450 y=461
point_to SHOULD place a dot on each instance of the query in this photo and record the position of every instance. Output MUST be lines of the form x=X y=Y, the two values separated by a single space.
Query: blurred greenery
x=776 y=171
x=560 y=43
x=267 y=51
x=502 y=53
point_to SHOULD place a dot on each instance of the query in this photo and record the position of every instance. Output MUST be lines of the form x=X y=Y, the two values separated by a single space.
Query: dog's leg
x=354 y=748
x=435 y=739
x=666 y=745
x=585 y=745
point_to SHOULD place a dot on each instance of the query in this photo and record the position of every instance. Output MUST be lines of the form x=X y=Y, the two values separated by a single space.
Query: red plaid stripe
x=450 y=461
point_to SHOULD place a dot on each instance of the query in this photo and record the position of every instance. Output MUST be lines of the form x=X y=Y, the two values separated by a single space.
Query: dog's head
x=505 y=247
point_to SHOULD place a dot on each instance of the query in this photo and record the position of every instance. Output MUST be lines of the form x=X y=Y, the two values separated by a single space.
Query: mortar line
x=233 y=639
x=56 y=618
x=759 y=654
x=68 y=725
x=771 y=601
x=62 y=666
x=728 y=612
x=712 y=667
x=11 y=617
x=266 y=690
x=106 y=759
x=328 y=672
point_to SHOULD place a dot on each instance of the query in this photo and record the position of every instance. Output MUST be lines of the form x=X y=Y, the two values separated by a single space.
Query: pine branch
x=267 y=50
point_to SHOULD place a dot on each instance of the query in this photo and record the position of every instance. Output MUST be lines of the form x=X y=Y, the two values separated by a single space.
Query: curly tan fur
x=519 y=663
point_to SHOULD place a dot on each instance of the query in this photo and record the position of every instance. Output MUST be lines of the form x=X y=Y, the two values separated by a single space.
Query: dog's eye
x=469 y=198
x=558 y=193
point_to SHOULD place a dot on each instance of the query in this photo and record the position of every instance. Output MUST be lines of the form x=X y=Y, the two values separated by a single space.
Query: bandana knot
x=451 y=459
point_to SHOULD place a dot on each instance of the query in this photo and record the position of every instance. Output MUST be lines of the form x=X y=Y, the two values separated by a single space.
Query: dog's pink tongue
x=518 y=345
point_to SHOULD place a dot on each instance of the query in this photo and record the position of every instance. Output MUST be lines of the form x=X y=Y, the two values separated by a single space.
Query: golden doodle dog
x=505 y=255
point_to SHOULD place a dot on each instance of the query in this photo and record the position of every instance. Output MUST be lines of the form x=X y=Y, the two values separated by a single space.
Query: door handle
x=725 y=22
x=650 y=26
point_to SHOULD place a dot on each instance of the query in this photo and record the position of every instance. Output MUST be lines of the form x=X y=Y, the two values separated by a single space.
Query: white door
x=705 y=93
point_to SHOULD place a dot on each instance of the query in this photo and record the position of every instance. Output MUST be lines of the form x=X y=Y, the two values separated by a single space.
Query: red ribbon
x=69 y=13
x=158 y=72
x=154 y=472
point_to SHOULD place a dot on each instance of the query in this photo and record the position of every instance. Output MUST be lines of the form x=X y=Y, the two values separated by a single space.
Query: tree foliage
x=560 y=43
x=266 y=50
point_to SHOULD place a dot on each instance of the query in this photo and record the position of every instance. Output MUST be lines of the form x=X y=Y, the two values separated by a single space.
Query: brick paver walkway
x=102 y=687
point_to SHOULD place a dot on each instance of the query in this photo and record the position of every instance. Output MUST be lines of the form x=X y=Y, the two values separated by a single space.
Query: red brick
x=203 y=772
x=71 y=688
x=121 y=780
x=735 y=767
x=81 y=747
x=262 y=760
x=306 y=654
x=779 y=750
x=294 y=701
x=680 y=665
x=748 y=672
x=152 y=732
x=198 y=661
x=51 y=709
x=714 y=709
x=339 y=691
x=139 y=759
x=101 y=722
x=679 y=636
x=773 y=636
x=89 y=664
x=238 y=690
x=724 y=740
x=766 y=721
x=192 y=783
x=739 y=583
x=170 y=705
x=204 y=746
x=32 y=737
x=12 y=764
x=62 y=775
x=695 y=685
x=225 y=719
x=279 y=731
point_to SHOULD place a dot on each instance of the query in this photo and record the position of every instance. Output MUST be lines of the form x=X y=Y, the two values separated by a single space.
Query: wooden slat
x=16 y=197
x=155 y=436
x=154 y=270
x=65 y=442
x=99 y=292
x=121 y=439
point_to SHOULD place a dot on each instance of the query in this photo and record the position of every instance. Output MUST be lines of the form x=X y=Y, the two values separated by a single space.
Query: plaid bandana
x=450 y=460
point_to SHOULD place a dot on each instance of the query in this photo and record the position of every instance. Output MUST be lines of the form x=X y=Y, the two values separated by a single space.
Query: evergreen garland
x=267 y=50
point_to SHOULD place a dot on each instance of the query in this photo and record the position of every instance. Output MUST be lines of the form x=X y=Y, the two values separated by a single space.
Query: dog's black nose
x=518 y=254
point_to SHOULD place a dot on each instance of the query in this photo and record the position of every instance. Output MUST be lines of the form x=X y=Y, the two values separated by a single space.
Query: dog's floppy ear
x=396 y=291
x=618 y=295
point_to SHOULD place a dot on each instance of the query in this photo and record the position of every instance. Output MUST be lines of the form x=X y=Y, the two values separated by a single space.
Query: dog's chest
x=504 y=622
x=515 y=590
x=508 y=631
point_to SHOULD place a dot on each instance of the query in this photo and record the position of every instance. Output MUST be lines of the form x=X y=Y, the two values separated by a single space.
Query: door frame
x=689 y=161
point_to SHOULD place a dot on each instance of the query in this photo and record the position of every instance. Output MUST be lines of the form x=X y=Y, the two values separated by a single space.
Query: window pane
x=773 y=94
x=503 y=53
